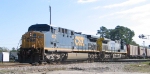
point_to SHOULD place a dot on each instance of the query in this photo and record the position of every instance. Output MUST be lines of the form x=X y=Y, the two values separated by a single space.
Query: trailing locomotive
x=45 y=43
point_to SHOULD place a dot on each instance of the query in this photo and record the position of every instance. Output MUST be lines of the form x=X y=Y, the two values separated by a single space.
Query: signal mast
x=142 y=36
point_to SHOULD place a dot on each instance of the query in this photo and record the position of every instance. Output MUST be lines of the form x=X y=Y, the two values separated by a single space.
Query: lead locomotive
x=45 y=43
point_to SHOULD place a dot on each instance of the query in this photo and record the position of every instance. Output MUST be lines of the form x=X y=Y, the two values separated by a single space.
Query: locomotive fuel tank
x=77 y=56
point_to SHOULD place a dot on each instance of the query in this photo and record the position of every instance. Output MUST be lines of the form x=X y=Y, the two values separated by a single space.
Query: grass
x=140 y=67
x=3 y=71
x=147 y=63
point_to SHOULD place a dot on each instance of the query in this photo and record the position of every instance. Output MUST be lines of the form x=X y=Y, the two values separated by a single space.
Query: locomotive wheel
x=111 y=56
x=98 y=57
x=91 y=57
x=63 y=57
x=102 y=57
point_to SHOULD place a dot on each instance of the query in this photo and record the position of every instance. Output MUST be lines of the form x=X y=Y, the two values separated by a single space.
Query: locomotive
x=46 y=43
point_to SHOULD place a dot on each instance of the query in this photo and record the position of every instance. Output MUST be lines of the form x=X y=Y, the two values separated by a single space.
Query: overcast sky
x=84 y=16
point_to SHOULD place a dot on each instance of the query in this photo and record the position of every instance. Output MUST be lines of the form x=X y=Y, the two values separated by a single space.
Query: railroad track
x=127 y=60
x=62 y=63
x=119 y=60
x=15 y=64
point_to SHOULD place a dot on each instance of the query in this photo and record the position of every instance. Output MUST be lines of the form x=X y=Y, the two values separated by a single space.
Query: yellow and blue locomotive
x=45 y=43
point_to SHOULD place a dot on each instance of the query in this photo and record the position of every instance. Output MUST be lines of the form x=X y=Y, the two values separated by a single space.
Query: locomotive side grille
x=105 y=47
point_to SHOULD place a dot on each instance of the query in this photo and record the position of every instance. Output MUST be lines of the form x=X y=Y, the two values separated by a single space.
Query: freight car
x=142 y=52
x=132 y=51
x=137 y=52
x=148 y=52
x=45 y=43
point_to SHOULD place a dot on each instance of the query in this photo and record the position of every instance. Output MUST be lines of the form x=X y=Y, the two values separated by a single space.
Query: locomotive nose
x=32 y=44
x=33 y=40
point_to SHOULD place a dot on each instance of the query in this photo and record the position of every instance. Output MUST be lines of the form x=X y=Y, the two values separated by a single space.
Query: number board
x=54 y=36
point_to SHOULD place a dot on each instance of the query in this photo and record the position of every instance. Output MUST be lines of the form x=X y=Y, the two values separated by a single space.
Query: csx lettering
x=79 y=41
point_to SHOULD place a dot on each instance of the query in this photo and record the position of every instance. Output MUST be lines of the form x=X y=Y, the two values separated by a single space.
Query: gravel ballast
x=77 y=68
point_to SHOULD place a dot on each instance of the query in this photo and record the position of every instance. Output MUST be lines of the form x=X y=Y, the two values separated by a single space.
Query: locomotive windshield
x=39 y=27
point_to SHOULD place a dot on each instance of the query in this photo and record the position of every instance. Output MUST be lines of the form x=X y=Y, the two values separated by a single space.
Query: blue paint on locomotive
x=57 y=37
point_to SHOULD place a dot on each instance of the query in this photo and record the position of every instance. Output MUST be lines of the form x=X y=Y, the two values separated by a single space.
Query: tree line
x=119 y=33
x=5 y=49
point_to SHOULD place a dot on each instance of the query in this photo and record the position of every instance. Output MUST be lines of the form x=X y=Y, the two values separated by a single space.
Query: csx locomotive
x=45 y=43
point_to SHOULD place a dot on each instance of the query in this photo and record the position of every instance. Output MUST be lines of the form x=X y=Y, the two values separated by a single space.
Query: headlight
x=30 y=34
